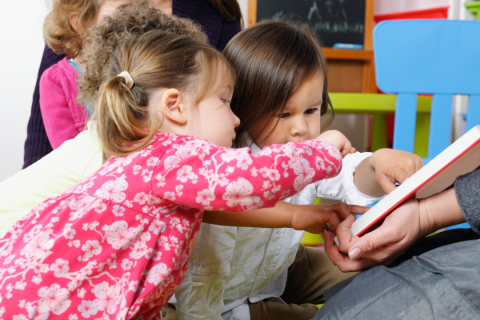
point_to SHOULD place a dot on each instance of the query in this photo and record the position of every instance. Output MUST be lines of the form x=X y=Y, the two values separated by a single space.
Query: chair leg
x=405 y=115
x=441 y=125
x=473 y=114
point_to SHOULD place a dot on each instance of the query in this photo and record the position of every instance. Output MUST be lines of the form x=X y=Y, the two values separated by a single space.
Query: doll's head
x=281 y=87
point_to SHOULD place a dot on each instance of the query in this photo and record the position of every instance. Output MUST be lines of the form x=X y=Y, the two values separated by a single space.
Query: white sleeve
x=52 y=175
x=342 y=187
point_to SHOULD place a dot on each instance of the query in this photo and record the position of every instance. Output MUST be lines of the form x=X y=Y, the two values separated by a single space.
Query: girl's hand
x=392 y=166
x=314 y=218
x=336 y=138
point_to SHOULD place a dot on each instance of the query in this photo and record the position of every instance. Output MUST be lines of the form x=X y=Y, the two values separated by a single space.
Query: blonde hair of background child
x=59 y=34
x=154 y=60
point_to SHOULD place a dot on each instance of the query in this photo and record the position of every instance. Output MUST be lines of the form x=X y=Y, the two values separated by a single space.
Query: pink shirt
x=62 y=116
x=117 y=244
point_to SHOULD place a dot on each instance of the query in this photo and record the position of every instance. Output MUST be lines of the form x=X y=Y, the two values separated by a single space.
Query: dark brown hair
x=57 y=31
x=229 y=9
x=132 y=20
x=272 y=59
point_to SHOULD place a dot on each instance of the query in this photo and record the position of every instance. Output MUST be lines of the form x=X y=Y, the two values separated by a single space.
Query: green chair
x=474 y=8
x=380 y=105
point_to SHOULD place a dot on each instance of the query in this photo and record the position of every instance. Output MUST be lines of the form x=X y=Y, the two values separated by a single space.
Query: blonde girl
x=116 y=245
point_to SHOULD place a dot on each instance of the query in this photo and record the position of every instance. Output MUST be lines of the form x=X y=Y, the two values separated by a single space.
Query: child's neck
x=79 y=61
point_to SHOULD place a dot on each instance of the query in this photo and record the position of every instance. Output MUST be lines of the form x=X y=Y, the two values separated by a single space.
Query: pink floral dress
x=116 y=246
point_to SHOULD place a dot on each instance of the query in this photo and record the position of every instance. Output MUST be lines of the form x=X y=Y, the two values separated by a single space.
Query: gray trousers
x=440 y=284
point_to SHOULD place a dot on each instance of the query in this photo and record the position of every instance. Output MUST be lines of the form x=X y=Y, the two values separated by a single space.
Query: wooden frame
x=343 y=58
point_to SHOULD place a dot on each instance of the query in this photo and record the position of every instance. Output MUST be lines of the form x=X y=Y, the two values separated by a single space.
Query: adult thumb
x=366 y=243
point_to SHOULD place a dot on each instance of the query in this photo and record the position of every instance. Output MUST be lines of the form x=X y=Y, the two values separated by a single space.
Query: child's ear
x=73 y=20
x=173 y=106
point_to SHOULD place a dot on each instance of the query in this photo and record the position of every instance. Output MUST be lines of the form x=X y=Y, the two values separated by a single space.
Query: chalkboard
x=336 y=21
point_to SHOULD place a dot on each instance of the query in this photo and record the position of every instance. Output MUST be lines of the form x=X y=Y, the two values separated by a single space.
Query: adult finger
x=370 y=242
x=358 y=209
x=342 y=261
x=344 y=234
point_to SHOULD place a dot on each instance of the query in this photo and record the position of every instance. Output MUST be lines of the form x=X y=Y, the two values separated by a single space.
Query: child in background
x=280 y=94
x=220 y=20
x=65 y=31
x=117 y=244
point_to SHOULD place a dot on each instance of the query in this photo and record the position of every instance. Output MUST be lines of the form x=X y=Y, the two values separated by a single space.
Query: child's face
x=212 y=119
x=300 y=120
x=108 y=7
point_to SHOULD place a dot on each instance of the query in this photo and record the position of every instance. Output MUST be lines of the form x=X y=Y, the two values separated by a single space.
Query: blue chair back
x=439 y=57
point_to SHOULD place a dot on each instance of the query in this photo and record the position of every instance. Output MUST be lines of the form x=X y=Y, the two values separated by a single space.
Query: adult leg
x=438 y=240
x=439 y=284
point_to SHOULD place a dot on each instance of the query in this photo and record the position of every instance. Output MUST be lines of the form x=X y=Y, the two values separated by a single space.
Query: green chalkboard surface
x=336 y=21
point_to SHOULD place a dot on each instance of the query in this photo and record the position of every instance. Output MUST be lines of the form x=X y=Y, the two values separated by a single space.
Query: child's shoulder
x=59 y=71
x=169 y=142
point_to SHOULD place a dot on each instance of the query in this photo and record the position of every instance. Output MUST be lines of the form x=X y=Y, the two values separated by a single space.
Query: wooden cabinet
x=348 y=70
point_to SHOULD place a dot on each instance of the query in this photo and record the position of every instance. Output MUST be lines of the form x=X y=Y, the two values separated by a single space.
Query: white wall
x=244 y=7
x=20 y=54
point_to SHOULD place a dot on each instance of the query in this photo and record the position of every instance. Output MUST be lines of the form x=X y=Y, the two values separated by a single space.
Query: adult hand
x=400 y=229
x=314 y=218
x=337 y=138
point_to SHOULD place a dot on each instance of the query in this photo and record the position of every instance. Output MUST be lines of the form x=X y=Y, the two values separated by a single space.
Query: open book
x=461 y=157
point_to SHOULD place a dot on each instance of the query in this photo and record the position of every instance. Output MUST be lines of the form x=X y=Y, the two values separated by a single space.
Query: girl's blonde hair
x=59 y=34
x=156 y=59
x=132 y=20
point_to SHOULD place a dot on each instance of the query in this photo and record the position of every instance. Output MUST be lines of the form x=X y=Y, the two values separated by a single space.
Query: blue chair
x=439 y=57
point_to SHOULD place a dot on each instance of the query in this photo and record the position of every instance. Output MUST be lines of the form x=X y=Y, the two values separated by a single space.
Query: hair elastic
x=128 y=79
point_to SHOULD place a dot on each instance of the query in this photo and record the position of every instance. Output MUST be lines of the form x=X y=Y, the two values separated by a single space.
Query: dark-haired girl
x=280 y=96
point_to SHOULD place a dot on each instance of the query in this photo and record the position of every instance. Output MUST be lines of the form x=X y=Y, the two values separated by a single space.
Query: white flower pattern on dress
x=116 y=246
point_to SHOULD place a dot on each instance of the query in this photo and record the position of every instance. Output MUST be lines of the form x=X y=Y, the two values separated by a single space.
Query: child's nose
x=236 y=120
x=299 y=128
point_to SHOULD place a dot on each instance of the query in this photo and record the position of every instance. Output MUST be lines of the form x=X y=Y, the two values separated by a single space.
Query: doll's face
x=299 y=121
